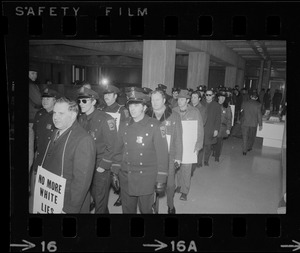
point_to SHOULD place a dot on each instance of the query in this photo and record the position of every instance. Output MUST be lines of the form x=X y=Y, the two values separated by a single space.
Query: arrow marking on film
x=296 y=246
x=159 y=246
x=28 y=245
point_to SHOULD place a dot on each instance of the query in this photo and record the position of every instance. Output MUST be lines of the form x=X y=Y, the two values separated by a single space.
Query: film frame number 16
x=50 y=246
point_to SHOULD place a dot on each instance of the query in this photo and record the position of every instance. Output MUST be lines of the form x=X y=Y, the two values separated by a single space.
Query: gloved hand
x=115 y=181
x=160 y=187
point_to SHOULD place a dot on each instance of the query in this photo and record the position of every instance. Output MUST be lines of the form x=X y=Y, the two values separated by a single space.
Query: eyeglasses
x=82 y=100
x=208 y=95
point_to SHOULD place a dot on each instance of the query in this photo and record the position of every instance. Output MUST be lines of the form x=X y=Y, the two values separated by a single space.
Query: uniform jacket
x=251 y=114
x=35 y=100
x=43 y=128
x=115 y=107
x=78 y=166
x=226 y=120
x=213 y=121
x=142 y=152
x=193 y=114
x=102 y=127
x=172 y=122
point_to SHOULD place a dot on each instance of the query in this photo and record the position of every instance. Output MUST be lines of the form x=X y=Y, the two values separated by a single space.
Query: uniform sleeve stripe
x=105 y=160
x=162 y=173
x=116 y=165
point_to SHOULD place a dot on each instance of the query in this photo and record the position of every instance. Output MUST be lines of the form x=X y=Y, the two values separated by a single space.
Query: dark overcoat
x=213 y=122
x=73 y=154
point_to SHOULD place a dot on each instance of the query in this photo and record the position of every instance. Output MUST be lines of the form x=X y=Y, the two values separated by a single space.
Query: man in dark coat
x=172 y=122
x=211 y=127
x=140 y=161
x=252 y=117
x=102 y=128
x=110 y=96
x=71 y=154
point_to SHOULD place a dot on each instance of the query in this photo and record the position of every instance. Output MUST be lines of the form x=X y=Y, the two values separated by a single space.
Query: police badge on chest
x=139 y=139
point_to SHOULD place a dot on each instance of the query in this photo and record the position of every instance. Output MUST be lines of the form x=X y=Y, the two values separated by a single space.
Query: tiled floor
x=236 y=184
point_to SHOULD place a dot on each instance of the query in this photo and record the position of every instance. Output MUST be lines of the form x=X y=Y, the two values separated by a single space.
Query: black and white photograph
x=152 y=126
x=176 y=126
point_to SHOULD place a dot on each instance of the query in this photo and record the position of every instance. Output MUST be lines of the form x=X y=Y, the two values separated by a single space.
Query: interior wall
x=216 y=77
x=180 y=78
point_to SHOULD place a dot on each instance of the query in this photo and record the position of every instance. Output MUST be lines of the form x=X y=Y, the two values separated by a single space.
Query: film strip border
x=136 y=233
x=136 y=26
x=149 y=20
x=195 y=232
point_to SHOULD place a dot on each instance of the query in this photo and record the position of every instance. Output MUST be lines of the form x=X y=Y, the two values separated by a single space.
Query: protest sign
x=49 y=192
x=189 y=139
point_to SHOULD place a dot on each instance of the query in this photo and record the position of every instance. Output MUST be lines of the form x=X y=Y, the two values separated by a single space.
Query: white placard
x=232 y=107
x=49 y=192
x=117 y=117
x=169 y=141
x=189 y=139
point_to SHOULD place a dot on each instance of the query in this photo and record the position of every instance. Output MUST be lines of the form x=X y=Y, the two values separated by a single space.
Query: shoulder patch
x=126 y=113
x=163 y=131
x=111 y=124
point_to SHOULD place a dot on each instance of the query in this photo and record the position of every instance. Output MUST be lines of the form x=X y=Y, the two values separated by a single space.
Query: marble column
x=159 y=63
x=230 y=76
x=198 y=69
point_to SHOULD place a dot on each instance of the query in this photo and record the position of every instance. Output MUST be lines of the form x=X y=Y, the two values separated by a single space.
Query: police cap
x=49 y=93
x=87 y=93
x=222 y=93
x=134 y=96
x=161 y=86
x=111 y=89
x=147 y=90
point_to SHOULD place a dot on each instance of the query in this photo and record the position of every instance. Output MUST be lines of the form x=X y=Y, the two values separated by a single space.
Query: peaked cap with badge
x=50 y=93
x=87 y=93
x=111 y=89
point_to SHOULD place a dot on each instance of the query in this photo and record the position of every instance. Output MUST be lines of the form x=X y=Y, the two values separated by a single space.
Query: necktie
x=57 y=135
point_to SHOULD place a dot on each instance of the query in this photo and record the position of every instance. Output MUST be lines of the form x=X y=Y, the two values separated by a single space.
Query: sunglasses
x=82 y=100
x=208 y=95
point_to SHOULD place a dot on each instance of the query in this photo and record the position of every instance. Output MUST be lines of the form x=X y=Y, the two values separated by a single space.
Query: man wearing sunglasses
x=102 y=128
x=116 y=111
x=211 y=126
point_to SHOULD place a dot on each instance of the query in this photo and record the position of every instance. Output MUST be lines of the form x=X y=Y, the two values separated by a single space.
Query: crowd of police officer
x=137 y=146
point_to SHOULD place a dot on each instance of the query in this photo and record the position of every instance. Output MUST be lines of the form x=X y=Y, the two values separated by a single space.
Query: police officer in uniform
x=113 y=108
x=140 y=161
x=110 y=96
x=102 y=128
x=43 y=128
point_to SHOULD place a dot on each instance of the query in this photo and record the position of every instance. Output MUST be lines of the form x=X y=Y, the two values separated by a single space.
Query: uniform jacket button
x=141 y=154
x=141 y=163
